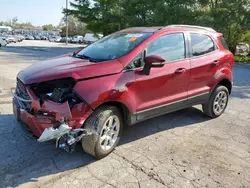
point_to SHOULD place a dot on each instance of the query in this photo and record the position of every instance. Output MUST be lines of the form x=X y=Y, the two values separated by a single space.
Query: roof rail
x=193 y=26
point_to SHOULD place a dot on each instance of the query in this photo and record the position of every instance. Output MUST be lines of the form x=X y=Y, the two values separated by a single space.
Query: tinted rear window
x=201 y=44
x=223 y=42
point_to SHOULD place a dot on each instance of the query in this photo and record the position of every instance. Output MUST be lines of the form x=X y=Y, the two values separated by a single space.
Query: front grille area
x=22 y=92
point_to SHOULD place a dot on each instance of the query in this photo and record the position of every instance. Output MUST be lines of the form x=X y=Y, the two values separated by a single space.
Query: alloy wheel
x=109 y=133
x=220 y=102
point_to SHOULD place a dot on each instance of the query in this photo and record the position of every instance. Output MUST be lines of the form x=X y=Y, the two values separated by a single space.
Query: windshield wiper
x=85 y=57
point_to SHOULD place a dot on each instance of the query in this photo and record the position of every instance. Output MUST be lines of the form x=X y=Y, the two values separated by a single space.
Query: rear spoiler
x=217 y=35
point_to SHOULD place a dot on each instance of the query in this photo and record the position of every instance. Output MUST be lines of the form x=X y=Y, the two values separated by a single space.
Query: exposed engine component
x=58 y=91
x=68 y=141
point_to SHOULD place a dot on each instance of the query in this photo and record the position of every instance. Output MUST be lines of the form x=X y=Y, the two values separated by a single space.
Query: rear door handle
x=215 y=62
x=180 y=71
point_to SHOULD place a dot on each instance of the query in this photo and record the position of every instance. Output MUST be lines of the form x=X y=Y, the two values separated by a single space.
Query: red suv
x=126 y=77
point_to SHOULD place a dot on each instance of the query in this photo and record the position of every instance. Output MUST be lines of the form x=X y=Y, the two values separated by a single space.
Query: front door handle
x=180 y=71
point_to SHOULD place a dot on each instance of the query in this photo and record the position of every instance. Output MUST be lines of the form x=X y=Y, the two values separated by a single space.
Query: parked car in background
x=127 y=77
x=2 y=42
x=19 y=38
x=37 y=37
x=55 y=39
x=29 y=37
x=77 y=39
x=89 y=38
x=52 y=39
x=63 y=39
x=242 y=49
x=22 y=37
x=58 y=39
x=10 y=39
x=44 y=37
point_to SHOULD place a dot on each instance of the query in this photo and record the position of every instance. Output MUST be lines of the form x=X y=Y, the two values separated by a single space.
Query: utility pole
x=67 y=29
x=119 y=4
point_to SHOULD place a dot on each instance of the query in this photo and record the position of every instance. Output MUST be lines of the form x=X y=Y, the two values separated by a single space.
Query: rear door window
x=201 y=44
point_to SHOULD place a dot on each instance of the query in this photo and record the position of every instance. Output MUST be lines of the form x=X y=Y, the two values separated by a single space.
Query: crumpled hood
x=67 y=67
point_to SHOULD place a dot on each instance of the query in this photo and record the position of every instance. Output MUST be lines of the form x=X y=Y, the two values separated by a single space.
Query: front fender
x=97 y=91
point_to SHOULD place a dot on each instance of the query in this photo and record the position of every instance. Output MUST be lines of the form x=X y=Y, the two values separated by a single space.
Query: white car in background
x=10 y=39
x=77 y=39
x=90 y=38
x=2 y=42
x=55 y=39
x=242 y=49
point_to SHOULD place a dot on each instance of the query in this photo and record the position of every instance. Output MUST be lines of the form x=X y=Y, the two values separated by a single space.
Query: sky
x=38 y=12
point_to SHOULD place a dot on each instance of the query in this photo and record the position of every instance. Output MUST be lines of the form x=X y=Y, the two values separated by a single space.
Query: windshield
x=113 y=46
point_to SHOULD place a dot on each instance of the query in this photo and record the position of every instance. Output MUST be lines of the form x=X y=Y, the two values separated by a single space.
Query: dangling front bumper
x=48 y=120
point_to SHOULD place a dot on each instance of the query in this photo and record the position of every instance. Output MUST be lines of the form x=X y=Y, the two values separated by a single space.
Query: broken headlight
x=58 y=91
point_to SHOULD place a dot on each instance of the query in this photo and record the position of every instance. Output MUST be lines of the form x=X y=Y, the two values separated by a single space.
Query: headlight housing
x=58 y=91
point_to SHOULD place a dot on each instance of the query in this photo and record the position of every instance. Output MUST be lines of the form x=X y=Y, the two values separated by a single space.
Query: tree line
x=231 y=17
x=15 y=24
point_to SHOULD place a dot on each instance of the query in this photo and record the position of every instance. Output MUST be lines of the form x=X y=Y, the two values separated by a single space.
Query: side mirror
x=152 y=61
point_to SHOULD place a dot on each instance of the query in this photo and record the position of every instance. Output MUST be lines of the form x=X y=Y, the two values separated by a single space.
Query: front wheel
x=217 y=103
x=107 y=122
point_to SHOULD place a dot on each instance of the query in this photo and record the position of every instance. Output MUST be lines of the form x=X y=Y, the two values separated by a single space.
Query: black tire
x=91 y=144
x=208 y=108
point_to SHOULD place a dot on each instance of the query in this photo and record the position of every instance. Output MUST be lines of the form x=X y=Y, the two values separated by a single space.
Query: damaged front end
x=52 y=110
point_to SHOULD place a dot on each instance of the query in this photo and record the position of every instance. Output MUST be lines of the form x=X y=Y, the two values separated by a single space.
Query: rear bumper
x=50 y=114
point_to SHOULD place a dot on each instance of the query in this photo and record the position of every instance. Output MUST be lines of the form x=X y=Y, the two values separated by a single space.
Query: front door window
x=170 y=47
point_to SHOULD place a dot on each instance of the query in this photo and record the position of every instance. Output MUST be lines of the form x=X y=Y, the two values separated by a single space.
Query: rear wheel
x=107 y=122
x=217 y=103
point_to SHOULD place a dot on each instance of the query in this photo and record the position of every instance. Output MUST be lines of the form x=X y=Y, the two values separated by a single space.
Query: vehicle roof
x=169 y=27
x=172 y=28
x=141 y=29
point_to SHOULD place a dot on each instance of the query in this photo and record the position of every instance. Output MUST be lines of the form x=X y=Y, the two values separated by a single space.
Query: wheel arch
x=225 y=82
x=123 y=109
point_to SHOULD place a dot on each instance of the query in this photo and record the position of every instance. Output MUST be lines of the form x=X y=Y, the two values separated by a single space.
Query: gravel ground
x=182 y=149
